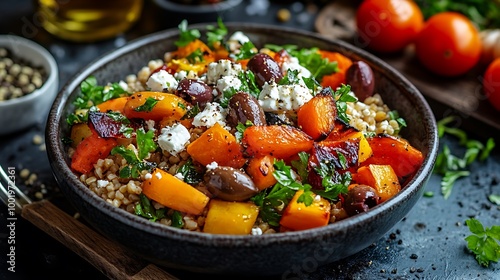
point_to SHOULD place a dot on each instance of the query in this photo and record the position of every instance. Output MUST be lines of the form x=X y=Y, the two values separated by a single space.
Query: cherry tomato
x=388 y=25
x=449 y=44
x=491 y=83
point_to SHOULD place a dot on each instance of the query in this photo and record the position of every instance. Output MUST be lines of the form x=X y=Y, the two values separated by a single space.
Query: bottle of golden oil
x=88 y=20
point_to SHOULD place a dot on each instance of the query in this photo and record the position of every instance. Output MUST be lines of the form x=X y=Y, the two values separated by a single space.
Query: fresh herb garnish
x=189 y=173
x=240 y=129
x=453 y=167
x=483 y=242
x=192 y=112
x=186 y=35
x=301 y=165
x=394 y=115
x=195 y=57
x=249 y=83
x=291 y=78
x=146 y=210
x=147 y=106
x=342 y=96
x=215 y=35
x=334 y=182
x=145 y=143
x=310 y=59
x=246 y=51
x=494 y=199
x=177 y=219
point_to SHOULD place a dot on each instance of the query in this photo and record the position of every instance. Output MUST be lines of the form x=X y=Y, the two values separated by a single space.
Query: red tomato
x=491 y=83
x=449 y=44
x=388 y=25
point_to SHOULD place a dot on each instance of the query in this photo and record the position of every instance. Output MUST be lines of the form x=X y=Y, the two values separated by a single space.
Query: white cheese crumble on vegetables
x=162 y=80
x=222 y=68
x=174 y=139
x=277 y=98
x=212 y=114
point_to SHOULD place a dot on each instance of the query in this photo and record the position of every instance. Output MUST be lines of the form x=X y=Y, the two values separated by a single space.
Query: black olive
x=360 y=77
x=244 y=107
x=360 y=199
x=195 y=91
x=265 y=69
x=229 y=184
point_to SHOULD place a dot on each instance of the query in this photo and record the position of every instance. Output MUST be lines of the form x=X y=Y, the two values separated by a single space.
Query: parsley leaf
x=246 y=51
x=494 y=199
x=453 y=167
x=342 y=96
x=186 y=35
x=483 y=242
x=145 y=143
x=195 y=57
x=215 y=35
x=147 y=106
x=190 y=173
x=177 y=219
x=146 y=210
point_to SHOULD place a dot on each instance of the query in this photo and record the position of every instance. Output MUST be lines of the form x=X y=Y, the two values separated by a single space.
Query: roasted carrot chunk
x=165 y=105
x=336 y=79
x=115 y=105
x=298 y=216
x=217 y=145
x=396 y=152
x=380 y=177
x=280 y=141
x=261 y=169
x=173 y=193
x=317 y=116
x=90 y=150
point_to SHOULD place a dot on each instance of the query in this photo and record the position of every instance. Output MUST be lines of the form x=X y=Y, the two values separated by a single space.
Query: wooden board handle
x=106 y=255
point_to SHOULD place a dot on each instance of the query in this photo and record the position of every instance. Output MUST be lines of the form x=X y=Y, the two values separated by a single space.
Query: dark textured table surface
x=427 y=244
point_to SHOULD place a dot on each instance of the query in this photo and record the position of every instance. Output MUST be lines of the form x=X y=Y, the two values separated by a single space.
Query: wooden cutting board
x=461 y=96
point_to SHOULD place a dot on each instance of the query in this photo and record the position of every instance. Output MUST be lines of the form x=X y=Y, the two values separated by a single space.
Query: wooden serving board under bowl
x=460 y=96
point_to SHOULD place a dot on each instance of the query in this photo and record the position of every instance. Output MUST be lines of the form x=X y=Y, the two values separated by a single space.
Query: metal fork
x=108 y=257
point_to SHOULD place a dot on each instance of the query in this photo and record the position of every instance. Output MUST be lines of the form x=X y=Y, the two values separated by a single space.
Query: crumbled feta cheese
x=228 y=83
x=213 y=113
x=237 y=40
x=179 y=176
x=148 y=176
x=293 y=64
x=162 y=80
x=158 y=175
x=221 y=68
x=276 y=98
x=212 y=166
x=151 y=125
x=182 y=74
x=102 y=183
x=174 y=139
x=256 y=231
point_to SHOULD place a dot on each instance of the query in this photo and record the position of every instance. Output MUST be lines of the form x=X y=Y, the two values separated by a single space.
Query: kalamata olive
x=244 y=107
x=229 y=184
x=194 y=91
x=360 y=77
x=360 y=198
x=264 y=68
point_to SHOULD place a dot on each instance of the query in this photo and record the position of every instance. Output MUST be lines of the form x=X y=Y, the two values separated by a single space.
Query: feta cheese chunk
x=277 y=98
x=162 y=80
x=173 y=139
x=228 y=83
x=293 y=64
x=222 y=68
x=213 y=113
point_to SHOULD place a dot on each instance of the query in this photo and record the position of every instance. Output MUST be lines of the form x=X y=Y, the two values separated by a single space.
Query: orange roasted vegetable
x=219 y=145
x=79 y=132
x=168 y=106
x=335 y=80
x=280 y=141
x=317 y=116
x=173 y=193
x=365 y=151
x=298 y=216
x=115 y=105
x=261 y=170
x=380 y=177
x=90 y=150
x=230 y=217
x=396 y=152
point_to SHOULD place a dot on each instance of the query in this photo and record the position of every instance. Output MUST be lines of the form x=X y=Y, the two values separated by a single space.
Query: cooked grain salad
x=224 y=137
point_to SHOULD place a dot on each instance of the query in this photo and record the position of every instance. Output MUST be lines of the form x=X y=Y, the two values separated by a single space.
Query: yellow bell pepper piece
x=298 y=216
x=228 y=217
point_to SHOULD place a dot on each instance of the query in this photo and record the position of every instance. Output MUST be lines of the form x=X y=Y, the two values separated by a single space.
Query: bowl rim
x=197 y=9
x=58 y=163
x=53 y=70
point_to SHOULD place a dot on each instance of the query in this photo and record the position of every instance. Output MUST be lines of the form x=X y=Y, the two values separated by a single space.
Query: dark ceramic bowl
x=267 y=254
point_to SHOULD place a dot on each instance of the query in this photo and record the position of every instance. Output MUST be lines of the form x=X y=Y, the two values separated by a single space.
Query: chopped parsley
x=177 y=219
x=483 y=242
x=240 y=129
x=189 y=173
x=247 y=50
x=186 y=35
x=453 y=167
x=394 y=115
x=146 y=210
x=195 y=57
x=147 y=106
x=216 y=35
x=334 y=182
x=342 y=96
